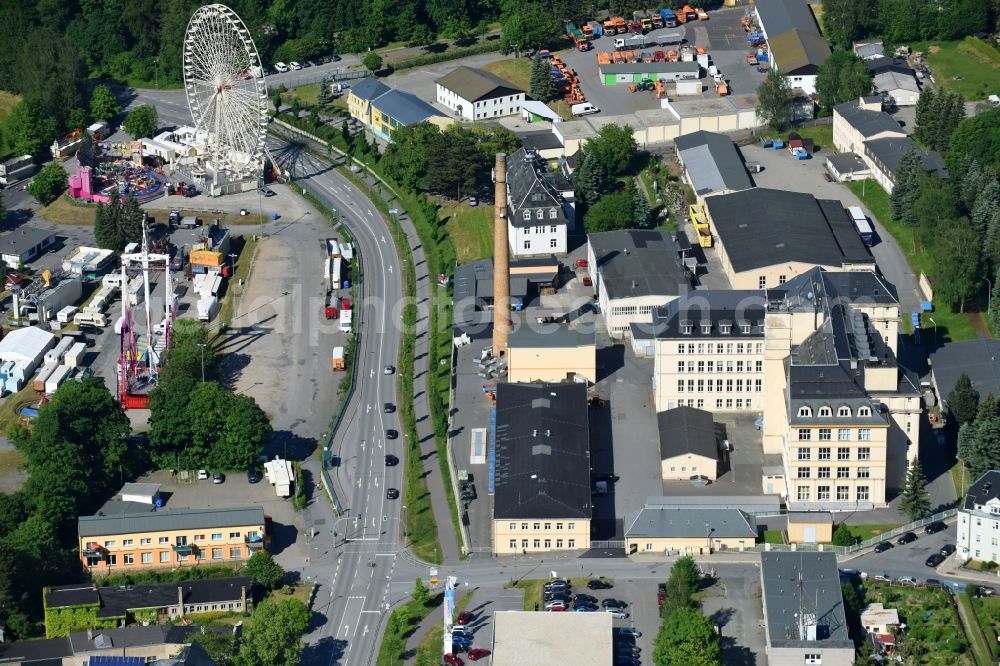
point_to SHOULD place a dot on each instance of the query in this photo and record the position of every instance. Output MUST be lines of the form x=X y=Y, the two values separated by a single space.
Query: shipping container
x=54 y=380
x=74 y=357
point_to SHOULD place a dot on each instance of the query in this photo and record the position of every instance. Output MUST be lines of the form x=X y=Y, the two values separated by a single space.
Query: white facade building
x=979 y=520
x=540 y=206
x=477 y=95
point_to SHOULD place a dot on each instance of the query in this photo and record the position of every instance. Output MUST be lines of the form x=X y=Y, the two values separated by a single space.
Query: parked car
x=464 y=618
x=389 y=369
x=280 y=67
x=598 y=584
x=475 y=654
x=882 y=546
x=933 y=582
x=587 y=282
x=558 y=583
x=555 y=609
x=908 y=537
x=584 y=599
x=947 y=549
x=267 y=192
x=461 y=631
x=582 y=263
x=827 y=177
x=909 y=580
x=586 y=608
x=556 y=603
x=631 y=632
x=619 y=613
x=985 y=590
x=391 y=460
x=294 y=66
x=451 y=660
x=613 y=602
x=389 y=408
x=473 y=201
x=935 y=527
x=253 y=474
x=626 y=660
x=883 y=578
x=391 y=434
x=392 y=493
x=218 y=477
x=934 y=560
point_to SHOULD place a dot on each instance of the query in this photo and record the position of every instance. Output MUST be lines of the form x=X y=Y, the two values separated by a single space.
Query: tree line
x=686 y=636
x=902 y=21
x=978 y=422
x=608 y=192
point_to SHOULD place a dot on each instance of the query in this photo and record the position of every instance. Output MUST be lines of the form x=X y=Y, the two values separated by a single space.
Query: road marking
x=369 y=211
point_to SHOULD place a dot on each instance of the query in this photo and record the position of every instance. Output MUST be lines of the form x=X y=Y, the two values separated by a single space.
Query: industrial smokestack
x=501 y=259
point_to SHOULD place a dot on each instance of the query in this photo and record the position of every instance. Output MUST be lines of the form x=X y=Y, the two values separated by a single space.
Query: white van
x=584 y=109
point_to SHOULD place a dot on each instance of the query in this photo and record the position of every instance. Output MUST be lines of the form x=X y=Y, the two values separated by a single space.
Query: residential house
x=633 y=272
x=541 y=486
x=796 y=47
x=877 y=619
x=123 y=646
x=712 y=164
x=979 y=521
x=708 y=351
x=475 y=94
x=668 y=530
x=25 y=244
x=883 y=157
x=901 y=88
x=804 y=610
x=858 y=121
x=838 y=407
x=767 y=236
x=169 y=538
x=846 y=167
x=540 y=206
x=689 y=447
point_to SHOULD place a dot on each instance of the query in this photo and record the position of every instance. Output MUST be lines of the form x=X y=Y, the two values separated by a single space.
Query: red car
x=581 y=263
x=556 y=609
x=476 y=654
x=452 y=660
x=465 y=618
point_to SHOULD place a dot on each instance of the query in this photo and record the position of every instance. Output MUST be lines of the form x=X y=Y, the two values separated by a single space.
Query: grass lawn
x=774 y=536
x=470 y=230
x=962 y=482
x=950 y=326
x=7 y=102
x=972 y=630
x=8 y=417
x=429 y=649
x=822 y=136
x=533 y=589
x=971 y=59
x=988 y=616
x=865 y=532
x=225 y=218
x=244 y=264
x=935 y=637
x=402 y=623
x=65 y=211
x=307 y=94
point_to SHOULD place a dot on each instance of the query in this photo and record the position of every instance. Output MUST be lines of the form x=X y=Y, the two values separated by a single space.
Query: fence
x=607 y=544
x=309 y=79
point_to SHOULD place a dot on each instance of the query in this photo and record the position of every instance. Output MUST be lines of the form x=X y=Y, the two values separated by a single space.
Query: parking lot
x=287 y=542
x=905 y=560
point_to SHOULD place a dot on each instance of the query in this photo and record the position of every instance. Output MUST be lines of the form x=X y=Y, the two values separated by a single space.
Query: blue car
x=585 y=609
x=461 y=639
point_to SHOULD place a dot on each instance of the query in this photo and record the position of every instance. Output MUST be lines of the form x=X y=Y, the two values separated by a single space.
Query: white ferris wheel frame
x=226 y=91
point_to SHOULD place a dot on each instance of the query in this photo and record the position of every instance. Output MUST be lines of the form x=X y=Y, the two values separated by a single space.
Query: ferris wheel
x=225 y=90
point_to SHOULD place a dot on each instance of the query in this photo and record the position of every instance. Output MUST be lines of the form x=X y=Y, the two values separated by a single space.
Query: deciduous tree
x=103 y=105
x=274 y=637
x=49 y=183
x=614 y=147
x=774 y=101
x=263 y=570
x=141 y=121
x=373 y=61
x=687 y=638
x=612 y=211
x=29 y=129
x=842 y=77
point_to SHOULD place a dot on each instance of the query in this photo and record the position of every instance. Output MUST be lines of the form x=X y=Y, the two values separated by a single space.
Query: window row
x=537 y=544
x=728 y=403
x=843 y=493
x=111 y=559
x=165 y=540
x=721 y=348
x=842 y=472
x=725 y=328
x=825 y=453
x=553 y=244
x=538 y=526
x=727 y=366
x=709 y=386
x=843 y=434
x=762 y=281
x=540 y=215
x=805 y=411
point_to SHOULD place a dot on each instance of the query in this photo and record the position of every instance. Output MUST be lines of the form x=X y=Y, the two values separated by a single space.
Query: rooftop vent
x=541 y=450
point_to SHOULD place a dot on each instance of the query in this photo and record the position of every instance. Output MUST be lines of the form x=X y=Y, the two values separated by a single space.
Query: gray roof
x=810 y=517
x=552 y=336
x=139 y=489
x=170 y=519
x=979 y=359
x=883 y=64
x=866 y=49
x=115 y=507
x=476 y=84
x=638 y=262
x=778 y=16
x=986 y=488
x=798 y=585
x=133 y=636
x=24 y=239
x=369 y=89
x=542 y=450
x=685 y=430
x=713 y=308
x=404 y=107
x=676 y=522
x=890 y=150
x=539 y=140
x=846 y=163
x=117 y=601
x=531 y=186
x=679 y=67
x=868 y=123
x=712 y=162
x=752 y=504
x=890 y=80
x=763 y=227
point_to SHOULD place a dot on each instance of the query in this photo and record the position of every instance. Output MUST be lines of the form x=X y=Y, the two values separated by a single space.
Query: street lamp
x=404 y=526
x=935 y=329
x=232 y=262
x=202 y=345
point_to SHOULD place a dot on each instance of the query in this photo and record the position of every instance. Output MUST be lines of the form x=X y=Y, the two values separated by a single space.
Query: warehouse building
x=540 y=469
x=689 y=448
x=796 y=47
x=475 y=94
x=712 y=164
x=21 y=352
x=637 y=72
x=634 y=271
x=766 y=237
x=902 y=88
x=551 y=353
x=672 y=530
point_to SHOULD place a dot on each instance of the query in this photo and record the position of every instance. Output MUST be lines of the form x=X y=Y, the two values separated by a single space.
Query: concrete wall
x=548 y=364
x=796 y=656
x=513 y=536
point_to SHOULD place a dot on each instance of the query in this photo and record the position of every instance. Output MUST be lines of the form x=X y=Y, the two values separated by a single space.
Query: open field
x=65 y=211
x=822 y=136
x=470 y=230
x=976 y=65
x=987 y=612
x=973 y=632
x=950 y=326
x=8 y=412
x=865 y=532
x=307 y=94
x=935 y=634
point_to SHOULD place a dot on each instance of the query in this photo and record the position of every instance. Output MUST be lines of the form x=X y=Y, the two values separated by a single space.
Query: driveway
x=739 y=615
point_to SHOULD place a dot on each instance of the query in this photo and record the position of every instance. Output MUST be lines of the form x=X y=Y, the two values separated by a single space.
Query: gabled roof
x=667 y=522
x=685 y=430
x=23 y=239
x=868 y=123
x=798 y=51
x=531 y=186
x=475 y=84
x=116 y=601
x=778 y=16
x=170 y=519
x=890 y=150
x=883 y=64
x=985 y=489
x=706 y=310
x=979 y=359
x=712 y=162
x=764 y=227
x=369 y=89
x=638 y=262
x=890 y=80
x=542 y=450
x=404 y=107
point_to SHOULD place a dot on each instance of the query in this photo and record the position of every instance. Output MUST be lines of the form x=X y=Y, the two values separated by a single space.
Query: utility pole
x=202 y=345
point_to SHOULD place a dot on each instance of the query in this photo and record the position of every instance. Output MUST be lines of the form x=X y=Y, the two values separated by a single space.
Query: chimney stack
x=501 y=260
x=180 y=602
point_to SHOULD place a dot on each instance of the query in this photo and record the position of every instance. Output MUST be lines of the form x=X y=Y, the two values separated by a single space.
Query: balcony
x=254 y=543
x=183 y=548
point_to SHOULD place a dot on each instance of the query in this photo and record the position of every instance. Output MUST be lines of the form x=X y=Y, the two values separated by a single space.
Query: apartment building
x=541 y=486
x=475 y=94
x=979 y=520
x=708 y=351
x=634 y=271
x=838 y=407
x=169 y=538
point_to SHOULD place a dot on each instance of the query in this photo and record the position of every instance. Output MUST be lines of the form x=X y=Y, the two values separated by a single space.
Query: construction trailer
x=280 y=474
x=15 y=169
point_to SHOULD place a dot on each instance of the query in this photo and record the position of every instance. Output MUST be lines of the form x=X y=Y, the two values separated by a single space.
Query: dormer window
x=553 y=214
x=805 y=411
x=706 y=327
x=686 y=327
x=745 y=328
x=725 y=327
x=864 y=411
x=825 y=411
x=540 y=214
x=527 y=215
x=843 y=410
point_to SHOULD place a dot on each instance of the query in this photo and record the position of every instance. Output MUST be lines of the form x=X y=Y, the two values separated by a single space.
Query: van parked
x=584 y=109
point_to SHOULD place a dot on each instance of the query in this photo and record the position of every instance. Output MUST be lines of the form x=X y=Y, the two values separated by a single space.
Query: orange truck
x=620 y=25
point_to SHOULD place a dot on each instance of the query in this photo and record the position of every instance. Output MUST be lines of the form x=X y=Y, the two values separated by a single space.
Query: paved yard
x=741 y=475
x=737 y=610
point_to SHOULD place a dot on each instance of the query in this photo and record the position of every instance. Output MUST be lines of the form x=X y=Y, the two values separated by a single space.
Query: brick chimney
x=501 y=259
x=180 y=601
